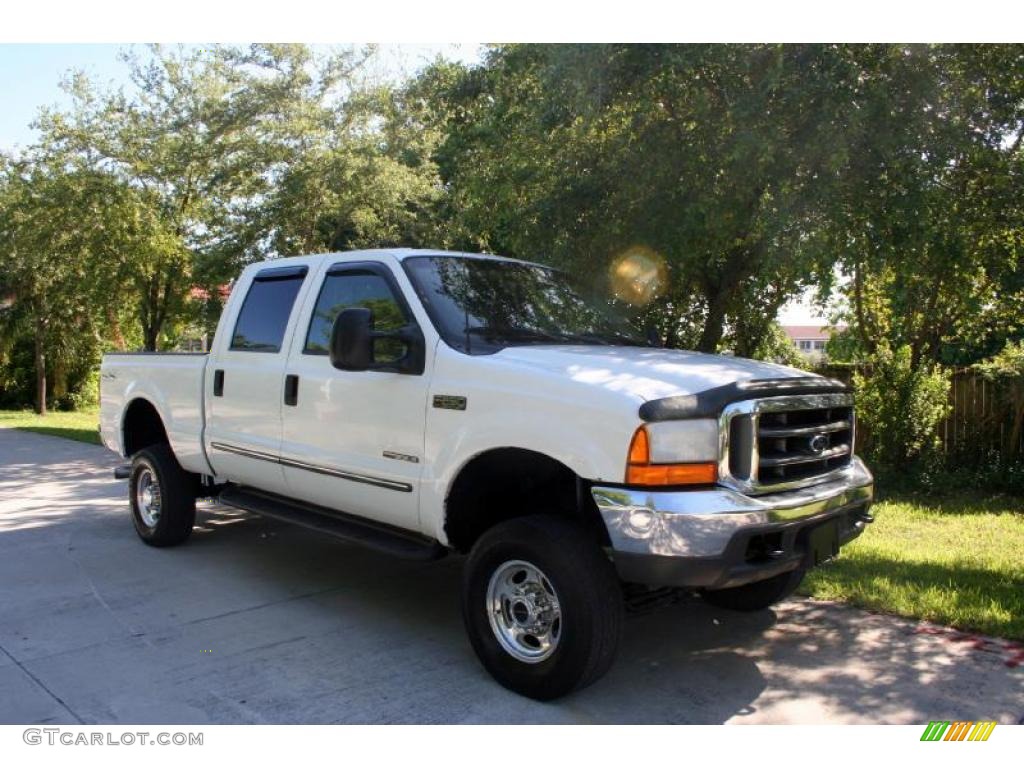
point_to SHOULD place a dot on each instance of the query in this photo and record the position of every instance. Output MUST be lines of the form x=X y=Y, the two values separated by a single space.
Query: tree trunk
x=740 y=262
x=156 y=308
x=714 y=324
x=150 y=312
x=150 y=331
x=867 y=337
x=40 y=370
x=150 y=335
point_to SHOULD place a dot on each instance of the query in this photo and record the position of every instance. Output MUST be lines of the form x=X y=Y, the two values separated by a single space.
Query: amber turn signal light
x=640 y=470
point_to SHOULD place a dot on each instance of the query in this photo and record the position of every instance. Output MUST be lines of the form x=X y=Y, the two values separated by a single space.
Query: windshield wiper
x=610 y=338
x=593 y=338
x=491 y=332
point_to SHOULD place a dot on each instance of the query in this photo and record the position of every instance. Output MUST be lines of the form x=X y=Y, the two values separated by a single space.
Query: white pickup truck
x=424 y=402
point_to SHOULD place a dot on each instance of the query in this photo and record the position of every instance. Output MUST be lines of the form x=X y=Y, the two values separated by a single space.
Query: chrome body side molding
x=380 y=482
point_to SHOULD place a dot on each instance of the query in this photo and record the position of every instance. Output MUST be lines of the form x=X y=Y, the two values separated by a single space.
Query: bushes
x=83 y=392
x=72 y=376
x=971 y=469
x=899 y=423
x=17 y=374
x=900 y=405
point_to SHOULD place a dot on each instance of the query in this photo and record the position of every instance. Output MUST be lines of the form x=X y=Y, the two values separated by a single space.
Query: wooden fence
x=980 y=419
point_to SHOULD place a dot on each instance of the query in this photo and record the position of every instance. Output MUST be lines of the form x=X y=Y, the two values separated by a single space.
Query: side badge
x=451 y=402
x=401 y=457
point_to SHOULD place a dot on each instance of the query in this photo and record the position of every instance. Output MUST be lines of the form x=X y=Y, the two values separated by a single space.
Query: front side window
x=482 y=305
x=357 y=289
x=264 y=316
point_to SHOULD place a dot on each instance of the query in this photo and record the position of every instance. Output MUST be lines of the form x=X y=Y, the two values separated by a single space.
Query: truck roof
x=399 y=253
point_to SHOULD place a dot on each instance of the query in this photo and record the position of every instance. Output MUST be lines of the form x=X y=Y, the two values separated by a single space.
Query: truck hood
x=643 y=373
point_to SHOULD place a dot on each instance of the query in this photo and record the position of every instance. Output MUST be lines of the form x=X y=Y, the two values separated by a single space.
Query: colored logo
x=961 y=730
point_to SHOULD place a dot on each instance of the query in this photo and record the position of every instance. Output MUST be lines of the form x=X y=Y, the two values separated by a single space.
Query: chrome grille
x=786 y=442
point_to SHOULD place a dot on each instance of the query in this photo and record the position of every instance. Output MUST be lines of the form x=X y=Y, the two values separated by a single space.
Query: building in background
x=810 y=340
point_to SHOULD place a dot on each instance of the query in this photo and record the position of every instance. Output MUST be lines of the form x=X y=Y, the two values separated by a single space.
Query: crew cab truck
x=423 y=402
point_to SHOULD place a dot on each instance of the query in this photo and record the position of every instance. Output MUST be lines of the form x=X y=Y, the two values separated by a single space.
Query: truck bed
x=172 y=381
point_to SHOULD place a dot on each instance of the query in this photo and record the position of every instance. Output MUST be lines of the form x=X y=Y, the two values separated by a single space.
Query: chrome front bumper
x=703 y=538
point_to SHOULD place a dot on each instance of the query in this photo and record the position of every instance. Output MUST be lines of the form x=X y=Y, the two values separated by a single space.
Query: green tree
x=361 y=177
x=718 y=158
x=929 y=221
x=68 y=236
x=199 y=131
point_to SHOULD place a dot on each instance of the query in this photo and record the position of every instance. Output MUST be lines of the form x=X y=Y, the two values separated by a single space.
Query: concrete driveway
x=254 y=621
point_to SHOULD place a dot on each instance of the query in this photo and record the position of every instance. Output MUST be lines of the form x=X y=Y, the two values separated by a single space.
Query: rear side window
x=356 y=289
x=265 y=311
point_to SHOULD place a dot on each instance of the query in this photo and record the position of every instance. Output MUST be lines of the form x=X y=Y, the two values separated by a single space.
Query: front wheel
x=758 y=595
x=542 y=606
x=162 y=497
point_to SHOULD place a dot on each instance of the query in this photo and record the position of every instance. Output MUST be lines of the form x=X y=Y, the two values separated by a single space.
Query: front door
x=353 y=440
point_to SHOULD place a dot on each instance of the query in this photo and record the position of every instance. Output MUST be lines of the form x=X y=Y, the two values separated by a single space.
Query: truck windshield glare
x=480 y=306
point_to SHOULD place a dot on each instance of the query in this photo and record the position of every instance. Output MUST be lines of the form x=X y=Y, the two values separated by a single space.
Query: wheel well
x=504 y=483
x=142 y=427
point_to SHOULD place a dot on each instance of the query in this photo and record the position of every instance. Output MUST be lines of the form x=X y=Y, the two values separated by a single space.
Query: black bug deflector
x=709 y=404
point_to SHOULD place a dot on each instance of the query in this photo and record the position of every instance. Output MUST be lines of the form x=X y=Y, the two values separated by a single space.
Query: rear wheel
x=162 y=497
x=542 y=606
x=756 y=596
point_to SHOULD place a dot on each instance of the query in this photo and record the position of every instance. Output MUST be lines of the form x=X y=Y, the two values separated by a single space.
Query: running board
x=376 y=536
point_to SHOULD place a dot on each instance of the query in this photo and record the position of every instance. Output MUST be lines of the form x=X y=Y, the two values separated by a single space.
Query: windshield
x=482 y=305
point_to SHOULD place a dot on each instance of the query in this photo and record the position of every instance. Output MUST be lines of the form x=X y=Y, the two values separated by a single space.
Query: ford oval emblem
x=818 y=443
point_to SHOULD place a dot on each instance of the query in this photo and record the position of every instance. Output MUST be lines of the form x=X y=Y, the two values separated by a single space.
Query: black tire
x=176 y=497
x=758 y=595
x=588 y=593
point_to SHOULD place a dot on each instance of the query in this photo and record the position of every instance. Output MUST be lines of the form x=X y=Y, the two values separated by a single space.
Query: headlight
x=677 y=442
x=674 y=453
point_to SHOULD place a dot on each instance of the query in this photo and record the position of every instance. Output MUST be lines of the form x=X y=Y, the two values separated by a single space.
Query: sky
x=30 y=76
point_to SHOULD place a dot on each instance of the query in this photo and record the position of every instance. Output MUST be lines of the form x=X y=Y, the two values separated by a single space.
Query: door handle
x=218 y=383
x=291 y=389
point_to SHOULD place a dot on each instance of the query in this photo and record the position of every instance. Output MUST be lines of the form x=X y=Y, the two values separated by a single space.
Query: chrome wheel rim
x=147 y=498
x=524 y=612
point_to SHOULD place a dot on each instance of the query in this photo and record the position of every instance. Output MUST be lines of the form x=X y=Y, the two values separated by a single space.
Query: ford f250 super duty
x=423 y=402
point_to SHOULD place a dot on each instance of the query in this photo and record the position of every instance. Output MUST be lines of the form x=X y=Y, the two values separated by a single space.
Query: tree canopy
x=706 y=185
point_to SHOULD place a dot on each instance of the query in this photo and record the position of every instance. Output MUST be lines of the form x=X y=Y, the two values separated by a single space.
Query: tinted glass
x=482 y=305
x=357 y=289
x=261 y=323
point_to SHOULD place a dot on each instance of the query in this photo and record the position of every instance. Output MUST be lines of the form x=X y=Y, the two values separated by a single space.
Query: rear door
x=245 y=379
x=353 y=440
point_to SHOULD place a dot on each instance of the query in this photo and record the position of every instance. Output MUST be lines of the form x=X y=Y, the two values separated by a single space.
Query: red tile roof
x=198 y=293
x=813 y=332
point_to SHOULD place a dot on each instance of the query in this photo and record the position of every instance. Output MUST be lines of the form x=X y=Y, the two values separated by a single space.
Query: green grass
x=74 y=425
x=954 y=561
